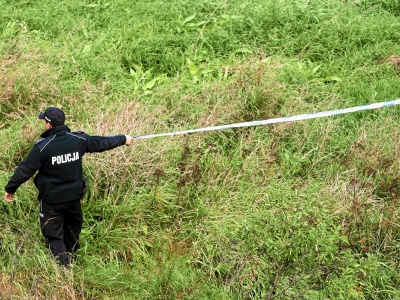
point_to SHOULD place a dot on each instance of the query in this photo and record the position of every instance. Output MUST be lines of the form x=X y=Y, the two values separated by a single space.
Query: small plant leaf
x=188 y=19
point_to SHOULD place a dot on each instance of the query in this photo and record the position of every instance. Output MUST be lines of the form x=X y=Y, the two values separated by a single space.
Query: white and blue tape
x=279 y=120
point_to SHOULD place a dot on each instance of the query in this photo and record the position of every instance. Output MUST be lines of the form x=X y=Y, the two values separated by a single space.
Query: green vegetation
x=304 y=210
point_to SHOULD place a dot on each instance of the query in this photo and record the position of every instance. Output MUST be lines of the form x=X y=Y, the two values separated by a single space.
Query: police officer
x=58 y=158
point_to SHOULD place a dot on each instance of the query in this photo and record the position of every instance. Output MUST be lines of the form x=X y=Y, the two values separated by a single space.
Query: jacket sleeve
x=104 y=143
x=25 y=170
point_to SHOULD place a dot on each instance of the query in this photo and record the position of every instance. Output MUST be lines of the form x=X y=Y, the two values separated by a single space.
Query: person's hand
x=8 y=197
x=129 y=140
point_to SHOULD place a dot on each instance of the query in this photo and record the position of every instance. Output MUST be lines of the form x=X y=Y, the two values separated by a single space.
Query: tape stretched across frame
x=316 y=115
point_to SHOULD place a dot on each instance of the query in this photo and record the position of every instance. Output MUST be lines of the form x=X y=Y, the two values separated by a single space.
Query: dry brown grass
x=25 y=78
x=394 y=60
x=33 y=285
x=7 y=290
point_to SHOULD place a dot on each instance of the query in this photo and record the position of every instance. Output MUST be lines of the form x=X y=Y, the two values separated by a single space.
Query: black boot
x=65 y=260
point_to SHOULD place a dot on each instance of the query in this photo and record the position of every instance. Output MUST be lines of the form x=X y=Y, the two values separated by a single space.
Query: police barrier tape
x=279 y=120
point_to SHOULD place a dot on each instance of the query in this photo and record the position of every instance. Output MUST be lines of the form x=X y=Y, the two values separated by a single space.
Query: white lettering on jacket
x=64 y=158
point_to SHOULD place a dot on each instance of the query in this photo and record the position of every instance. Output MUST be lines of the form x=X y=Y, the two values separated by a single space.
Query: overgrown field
x=302 y=210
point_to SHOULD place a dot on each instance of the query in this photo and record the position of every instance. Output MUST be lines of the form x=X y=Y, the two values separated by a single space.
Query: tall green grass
x=304 y=210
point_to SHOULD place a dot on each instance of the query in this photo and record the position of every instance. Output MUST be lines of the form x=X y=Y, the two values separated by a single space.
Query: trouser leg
x=72 y=225
x=52 y=227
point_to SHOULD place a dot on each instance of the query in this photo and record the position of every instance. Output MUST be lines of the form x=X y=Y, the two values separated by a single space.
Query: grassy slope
x=308 y=209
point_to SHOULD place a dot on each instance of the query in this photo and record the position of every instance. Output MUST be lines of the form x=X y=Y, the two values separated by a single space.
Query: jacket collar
x=55 y=130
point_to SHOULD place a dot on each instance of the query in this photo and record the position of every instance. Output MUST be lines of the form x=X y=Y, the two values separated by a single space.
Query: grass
x=304 y=210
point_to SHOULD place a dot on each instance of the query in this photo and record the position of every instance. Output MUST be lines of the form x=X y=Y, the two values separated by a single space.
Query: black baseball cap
x=53 y=115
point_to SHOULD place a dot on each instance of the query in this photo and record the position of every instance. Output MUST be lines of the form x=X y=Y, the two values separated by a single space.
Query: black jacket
x=58 y=157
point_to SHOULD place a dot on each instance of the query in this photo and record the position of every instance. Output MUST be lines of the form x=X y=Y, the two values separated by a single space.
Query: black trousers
x=61 y=225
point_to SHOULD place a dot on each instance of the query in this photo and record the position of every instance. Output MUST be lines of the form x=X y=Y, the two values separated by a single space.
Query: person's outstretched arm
x=104 y=143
